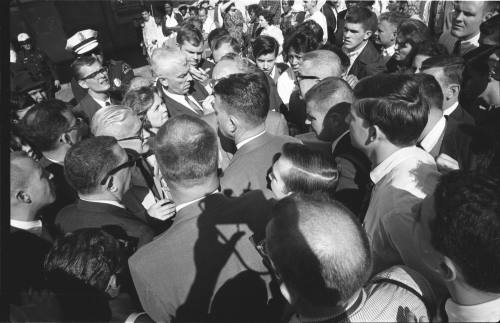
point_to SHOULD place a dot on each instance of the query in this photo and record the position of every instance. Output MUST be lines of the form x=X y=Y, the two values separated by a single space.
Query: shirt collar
x=183 y=205
x=472 y=41
x=388 y=52
x=451 y=109
x=246 y=141
x=273 y=72
x=102 y=103
x=391 y=162
x=433 y=136
x=485 y=312
x=25 y=225
x=110 y=202
x=180 y=98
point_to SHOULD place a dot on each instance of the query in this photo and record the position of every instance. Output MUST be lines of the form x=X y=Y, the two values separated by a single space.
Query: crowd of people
x=286 y=162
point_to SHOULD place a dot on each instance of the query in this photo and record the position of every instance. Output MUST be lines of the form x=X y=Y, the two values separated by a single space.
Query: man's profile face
x=40 y=187
x=95 y=77
x=315 y=117
x=26 y=46
x=168 y=9
x=354 y=35
x=467 y=17
x=75 y=127
x=358 y=130
x=176 y=78
x=385 y=34
x=192 y=52
x=278 y=187
x=145 y=15
x=223 y=121
x=202 y=14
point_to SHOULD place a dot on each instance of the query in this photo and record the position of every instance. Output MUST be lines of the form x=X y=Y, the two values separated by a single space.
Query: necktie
x=193 y=105
x=456 y=49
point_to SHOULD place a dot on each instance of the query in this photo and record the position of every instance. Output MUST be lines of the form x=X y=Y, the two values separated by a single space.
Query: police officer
x=38 y=64
x=120 y=73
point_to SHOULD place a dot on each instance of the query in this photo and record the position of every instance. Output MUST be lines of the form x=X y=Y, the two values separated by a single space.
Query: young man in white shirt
x=466 y=230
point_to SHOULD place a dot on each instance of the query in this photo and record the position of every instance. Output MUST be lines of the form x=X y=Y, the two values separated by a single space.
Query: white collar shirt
x=469 y=44
x=180 y=98
x=401 y=181
x=170 y=21
x=451 y=109
x=246 y=141
x=433 y=136
x=102 y=103
x=183 y=205
x=25 y=225
x=110 y=202
x=389 y=51
x=485 y=312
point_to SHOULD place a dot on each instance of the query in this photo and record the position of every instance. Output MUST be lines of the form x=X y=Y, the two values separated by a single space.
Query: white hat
x=82 y=42
x=22 y=37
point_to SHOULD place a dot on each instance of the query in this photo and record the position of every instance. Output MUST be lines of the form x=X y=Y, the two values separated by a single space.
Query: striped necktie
x=193 y=105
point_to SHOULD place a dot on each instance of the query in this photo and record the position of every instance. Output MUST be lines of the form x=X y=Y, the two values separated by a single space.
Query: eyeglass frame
x=93 y=75
x=131 y=161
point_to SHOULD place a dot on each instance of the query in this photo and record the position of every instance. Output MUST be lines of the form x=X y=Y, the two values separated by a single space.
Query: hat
x=24 y=82
x=22 y=37
x=82 y=42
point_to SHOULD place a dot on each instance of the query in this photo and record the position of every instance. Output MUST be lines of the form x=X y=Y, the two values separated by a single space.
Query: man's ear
x=454 y=89
x=24 y=197
x=448 y=270
x=65 y=138
x=234 y=124
x=368 y=34
x=373 y=134
x=110 y=186
x=83 y=84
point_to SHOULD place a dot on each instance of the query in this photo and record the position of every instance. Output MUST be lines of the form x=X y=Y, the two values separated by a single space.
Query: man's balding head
x=318 y=238
x=327 y=106
x=317 y=65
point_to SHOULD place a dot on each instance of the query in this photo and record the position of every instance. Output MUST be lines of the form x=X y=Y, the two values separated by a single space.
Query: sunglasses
x=131 y=162
x=103 y=70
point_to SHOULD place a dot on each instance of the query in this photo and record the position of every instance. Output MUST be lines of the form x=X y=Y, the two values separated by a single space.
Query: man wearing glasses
x=100 y=171
x=91 y=75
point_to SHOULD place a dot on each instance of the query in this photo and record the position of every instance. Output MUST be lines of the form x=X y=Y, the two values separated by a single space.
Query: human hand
x=446 y=164
x=162 y=210
x=199 y=74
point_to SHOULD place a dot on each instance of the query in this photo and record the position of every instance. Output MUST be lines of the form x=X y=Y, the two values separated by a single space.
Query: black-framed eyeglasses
x=103 y=70
x=77 y=125
x=131 y=161
x=301 y=77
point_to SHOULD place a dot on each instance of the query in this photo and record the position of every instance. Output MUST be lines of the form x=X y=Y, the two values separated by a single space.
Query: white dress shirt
x=389 y=51
x=246 y=141
x=110 y=202
x=26 y=225
x=485 y=312
x=183 y=205
x=401 y=181
x=432 y=138
x=451 y=109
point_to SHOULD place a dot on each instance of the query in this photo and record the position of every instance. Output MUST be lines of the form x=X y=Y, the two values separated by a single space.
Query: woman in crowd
x=149 y=107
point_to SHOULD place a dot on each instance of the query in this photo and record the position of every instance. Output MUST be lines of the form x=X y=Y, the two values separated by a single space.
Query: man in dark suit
x=99 y=169
x=329 y=10
x=447 y=70
x=30 y=190
x=52 y=129
x=204 y=265
x=241 y=106
x=180 y=94
x=360 y=24
x=328 y=104
x=91 y=75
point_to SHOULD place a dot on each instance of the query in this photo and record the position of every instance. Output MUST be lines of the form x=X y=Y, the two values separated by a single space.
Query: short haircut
x=186 y=150
x=264 y=45
x=253 y=8
x=394 y=103
x=44 y=124
x=344 y=59
x=414 y=32
x=490 y=30
x=267 y=15
x=314 y=237
x=167 y=58
x=393 y=18
x=246 y=96
x=108 y=121
x=312 y=170
x=195 y=21
x=324 y=63
x=19 y=178
x=301 y=41
x=328 y=91
x=233 y=42
x=430 y=90
x=89 y=255
x=189 y=33
x=79 y=62
x=467 y=226
x=139 y=100
x=363 y=16
x=87 y=163
x=216 y=34
x=453 y=67
x=431 y=48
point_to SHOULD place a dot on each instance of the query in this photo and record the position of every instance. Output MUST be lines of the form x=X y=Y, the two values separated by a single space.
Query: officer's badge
x=117 y=82
x=126 y=68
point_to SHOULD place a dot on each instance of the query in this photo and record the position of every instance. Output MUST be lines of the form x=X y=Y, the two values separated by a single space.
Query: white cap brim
x=86 y=47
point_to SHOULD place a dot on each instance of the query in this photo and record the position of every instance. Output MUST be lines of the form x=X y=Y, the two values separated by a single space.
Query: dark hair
x=453 y=67
x=267 y=15
x=415 y=33
x=301 y=40
x=189 y=33
x=489 y=30
x=44 y=124
x=394 y=103
x=216 y=34
x=313 y=236
x=394 y=18
x=195 y=22
x=79 y=62
x=87 y=162
x=139 y=100
x=264 y=45
x=328 y=88
x=313 y=27
x=144 y=9
x=21 y=101
x=233 y=42
x=186 y=150
x=246 y=96
x=363 y=16
x=312 y=170
x=430 y=90
x=467 y=226
x=254 y=8
x=431 y=48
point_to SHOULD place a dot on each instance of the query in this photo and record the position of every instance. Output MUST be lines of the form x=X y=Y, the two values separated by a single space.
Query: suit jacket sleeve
x=375 y=67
